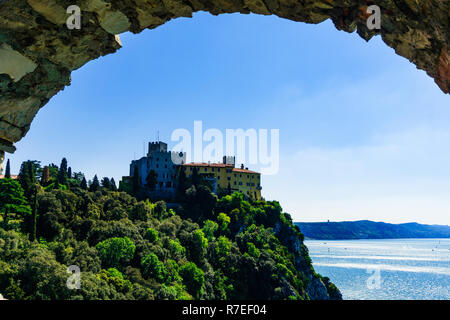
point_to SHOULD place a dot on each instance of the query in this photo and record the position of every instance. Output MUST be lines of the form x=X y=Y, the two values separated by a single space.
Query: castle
x=223 y=176
x=163 y=162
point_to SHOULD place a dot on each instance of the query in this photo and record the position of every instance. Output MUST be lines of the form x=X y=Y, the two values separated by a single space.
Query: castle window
x=165 y=166
x=228 y=178
x=212 y=169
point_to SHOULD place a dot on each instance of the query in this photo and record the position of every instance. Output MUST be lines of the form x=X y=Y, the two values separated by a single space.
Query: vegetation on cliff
x=205 y=247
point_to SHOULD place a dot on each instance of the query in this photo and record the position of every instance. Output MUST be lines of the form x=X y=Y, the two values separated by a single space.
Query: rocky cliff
x=38 y=51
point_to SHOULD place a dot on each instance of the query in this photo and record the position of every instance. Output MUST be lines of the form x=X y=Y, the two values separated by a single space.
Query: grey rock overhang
x=39 y=52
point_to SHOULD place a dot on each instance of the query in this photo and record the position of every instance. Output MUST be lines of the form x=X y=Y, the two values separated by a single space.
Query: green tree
x=12 y=200
x=195 y=177
x=209 y=228
x=151 y=179
x=45 y=179
x=224 y=221
x=62 y=173
x=106 y=183
x=182 y=181
x=116 y=251
x=193 y=278
x=141 y=211
x=253 y=250
x=95 y=186
x=152 y=267
x=113 y=185
x=83 y=184
x=34 y=207
x=28 y=177
x=152 y=235
x=197 y=248
x=8 y=170
x=136 y=181
x=223 y=246
x=53 y=168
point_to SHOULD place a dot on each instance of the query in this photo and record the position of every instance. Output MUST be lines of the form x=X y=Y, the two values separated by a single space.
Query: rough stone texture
x=38 y=52
x=317 y=290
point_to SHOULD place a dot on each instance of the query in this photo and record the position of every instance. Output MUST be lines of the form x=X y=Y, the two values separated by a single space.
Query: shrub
x=116 y=251
x=154 y=268
x=152 y=235
x=193 y=278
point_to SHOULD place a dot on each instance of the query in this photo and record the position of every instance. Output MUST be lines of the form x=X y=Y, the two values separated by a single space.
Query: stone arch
x=38 y=52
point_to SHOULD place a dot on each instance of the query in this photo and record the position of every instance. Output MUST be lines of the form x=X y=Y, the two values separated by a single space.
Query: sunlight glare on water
x=411 y=269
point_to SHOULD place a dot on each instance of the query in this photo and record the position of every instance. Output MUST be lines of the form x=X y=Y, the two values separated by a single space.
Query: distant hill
x=365 y=229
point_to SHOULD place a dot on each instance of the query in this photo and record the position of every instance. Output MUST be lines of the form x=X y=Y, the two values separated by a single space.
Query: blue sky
x=363 y=133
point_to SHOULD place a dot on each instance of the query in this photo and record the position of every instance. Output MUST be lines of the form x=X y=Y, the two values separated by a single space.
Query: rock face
x=38 y=51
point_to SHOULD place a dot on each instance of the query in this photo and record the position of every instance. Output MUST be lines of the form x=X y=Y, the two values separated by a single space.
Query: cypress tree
x=152 y=179
x=27 y=178
x=136 y=181
x=106 y=183
x=181 y=184
x=113 y=186
x=69 y=173
x=34 y=216
x=95 y=184
x=62 y=173
x=195 y=177
x=83 y=184
x=63 y=166
x=8 y=170
x=45 y=179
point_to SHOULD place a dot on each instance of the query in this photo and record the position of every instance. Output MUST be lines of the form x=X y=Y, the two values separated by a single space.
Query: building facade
x=226 y=176
x=163 y=162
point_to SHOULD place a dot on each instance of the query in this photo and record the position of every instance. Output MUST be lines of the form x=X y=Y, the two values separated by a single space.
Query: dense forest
x=127 y=247
x=366 y=229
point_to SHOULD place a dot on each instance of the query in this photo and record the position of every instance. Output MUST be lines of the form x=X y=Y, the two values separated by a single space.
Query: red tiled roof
x=244 y=170
x=203 y=164
x=218 y=165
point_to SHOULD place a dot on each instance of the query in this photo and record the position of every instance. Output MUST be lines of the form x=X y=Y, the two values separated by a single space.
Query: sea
x=388 y=269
